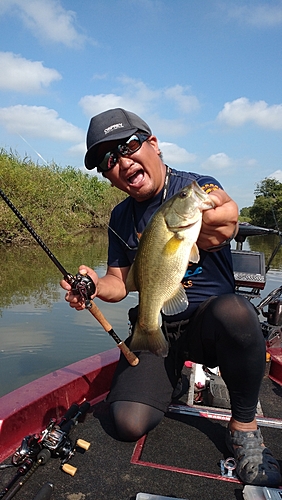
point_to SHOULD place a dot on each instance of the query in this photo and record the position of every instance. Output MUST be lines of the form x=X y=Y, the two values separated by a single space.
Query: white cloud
x=218 y=161
x=136 y=96
x=39 y=121
x=185 y=102
x=264 y=14
x=79 y=149
x=95 y=104
x=21 y=75
x=47 y=19
x=174 y=154
x=276 y=175
x=139 y=91
x=241 y=111
x=221 y=162
x=98 y=76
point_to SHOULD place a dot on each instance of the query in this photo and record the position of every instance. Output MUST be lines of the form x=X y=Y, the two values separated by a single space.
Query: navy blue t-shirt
x=212 y=275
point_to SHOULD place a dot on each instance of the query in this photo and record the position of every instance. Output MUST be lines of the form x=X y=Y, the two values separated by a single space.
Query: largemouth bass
x=167 y=245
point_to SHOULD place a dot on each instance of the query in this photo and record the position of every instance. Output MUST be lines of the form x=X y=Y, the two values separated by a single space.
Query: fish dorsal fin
x=130 y=282
x=177 y=304
x=172 y=245
x=194 y=254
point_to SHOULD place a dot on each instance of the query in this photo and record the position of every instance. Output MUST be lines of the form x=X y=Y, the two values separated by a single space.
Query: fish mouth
x=136 y=177
x=179 y=228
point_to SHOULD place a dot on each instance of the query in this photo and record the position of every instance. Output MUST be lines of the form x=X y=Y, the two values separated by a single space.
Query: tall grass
x=57 y=202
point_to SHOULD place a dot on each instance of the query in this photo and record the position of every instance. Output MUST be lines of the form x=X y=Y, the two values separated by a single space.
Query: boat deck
x=179 y=459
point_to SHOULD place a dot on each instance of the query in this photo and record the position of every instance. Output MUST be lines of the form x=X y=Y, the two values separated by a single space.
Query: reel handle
x=69 y=469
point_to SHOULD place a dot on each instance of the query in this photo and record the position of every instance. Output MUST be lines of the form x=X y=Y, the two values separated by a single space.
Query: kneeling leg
x=133 y=420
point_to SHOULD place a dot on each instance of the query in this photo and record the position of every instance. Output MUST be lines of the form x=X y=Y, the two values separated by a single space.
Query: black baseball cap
x=111 y=125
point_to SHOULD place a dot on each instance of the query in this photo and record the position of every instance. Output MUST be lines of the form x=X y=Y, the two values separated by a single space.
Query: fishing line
x=81 y=284
x=80 y=197
x=38 y=154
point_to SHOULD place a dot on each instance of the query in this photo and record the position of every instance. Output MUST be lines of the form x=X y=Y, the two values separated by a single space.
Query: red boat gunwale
x=28 y=410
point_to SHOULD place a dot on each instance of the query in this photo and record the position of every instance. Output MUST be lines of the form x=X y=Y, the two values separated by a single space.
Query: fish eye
x=183 y=194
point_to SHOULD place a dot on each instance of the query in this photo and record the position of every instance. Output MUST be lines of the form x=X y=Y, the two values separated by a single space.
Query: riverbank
x=58 y=202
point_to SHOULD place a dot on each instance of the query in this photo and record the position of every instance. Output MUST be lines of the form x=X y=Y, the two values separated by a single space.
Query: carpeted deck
x=179 y=459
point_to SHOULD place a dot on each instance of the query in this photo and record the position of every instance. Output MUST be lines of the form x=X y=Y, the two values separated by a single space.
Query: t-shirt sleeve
x=209 y=184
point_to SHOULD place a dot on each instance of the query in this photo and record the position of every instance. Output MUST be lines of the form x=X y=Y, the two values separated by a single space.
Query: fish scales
x=167 y=245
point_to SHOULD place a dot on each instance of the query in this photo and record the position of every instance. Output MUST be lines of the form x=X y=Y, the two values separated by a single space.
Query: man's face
x=141 y=175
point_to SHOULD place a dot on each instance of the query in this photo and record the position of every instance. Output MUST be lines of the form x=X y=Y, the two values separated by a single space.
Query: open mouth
x=136 y=178
x=182 y=227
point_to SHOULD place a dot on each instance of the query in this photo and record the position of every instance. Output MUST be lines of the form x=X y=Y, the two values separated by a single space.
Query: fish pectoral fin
x=194 y=254
x=130 y=283
x=176 y=304
x=172 y=245
x=152 y=340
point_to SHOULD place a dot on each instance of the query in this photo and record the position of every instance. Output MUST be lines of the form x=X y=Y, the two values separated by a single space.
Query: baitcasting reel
x=54 y=438
x=29 y=449
x=58 y=442
x=83 y=285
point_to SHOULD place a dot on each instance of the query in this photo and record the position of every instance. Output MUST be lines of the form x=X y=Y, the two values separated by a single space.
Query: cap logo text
x=113 y=127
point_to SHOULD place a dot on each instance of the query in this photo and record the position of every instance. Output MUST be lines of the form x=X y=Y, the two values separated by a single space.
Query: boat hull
x=28 y=410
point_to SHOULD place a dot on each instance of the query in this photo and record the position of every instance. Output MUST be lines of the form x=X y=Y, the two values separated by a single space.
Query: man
x=219 y=328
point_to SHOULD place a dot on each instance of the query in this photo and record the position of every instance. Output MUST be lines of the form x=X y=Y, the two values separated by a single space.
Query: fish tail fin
x=153 y=341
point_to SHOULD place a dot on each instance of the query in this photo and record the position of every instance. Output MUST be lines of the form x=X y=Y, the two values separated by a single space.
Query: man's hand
x=74 y=299
x=110 y=288
x=219 y=223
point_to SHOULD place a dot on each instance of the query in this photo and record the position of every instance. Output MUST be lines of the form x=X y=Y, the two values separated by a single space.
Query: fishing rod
x=45 y=492
x=42 y=457
x=81 y=284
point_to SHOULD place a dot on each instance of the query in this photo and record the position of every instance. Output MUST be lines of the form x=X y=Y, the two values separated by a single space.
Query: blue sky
x=206 y=75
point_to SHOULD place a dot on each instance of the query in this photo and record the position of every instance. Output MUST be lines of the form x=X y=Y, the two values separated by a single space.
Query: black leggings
x=224 y=332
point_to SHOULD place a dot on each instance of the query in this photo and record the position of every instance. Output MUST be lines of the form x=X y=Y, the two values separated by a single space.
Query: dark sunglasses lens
x=133 y=144
x=109 y=161
x=112 y=161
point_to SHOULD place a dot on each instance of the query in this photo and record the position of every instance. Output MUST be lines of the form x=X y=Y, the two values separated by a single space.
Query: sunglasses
x=126 y=148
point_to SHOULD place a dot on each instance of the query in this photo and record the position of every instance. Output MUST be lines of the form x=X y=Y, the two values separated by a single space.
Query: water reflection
x=266 y=244
x=40 y=332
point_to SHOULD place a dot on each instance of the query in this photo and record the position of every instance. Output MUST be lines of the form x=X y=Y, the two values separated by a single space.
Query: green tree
x=245 y=214
x=267 y=208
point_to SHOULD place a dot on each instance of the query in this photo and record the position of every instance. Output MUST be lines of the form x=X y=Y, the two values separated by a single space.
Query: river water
x=40 y=333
